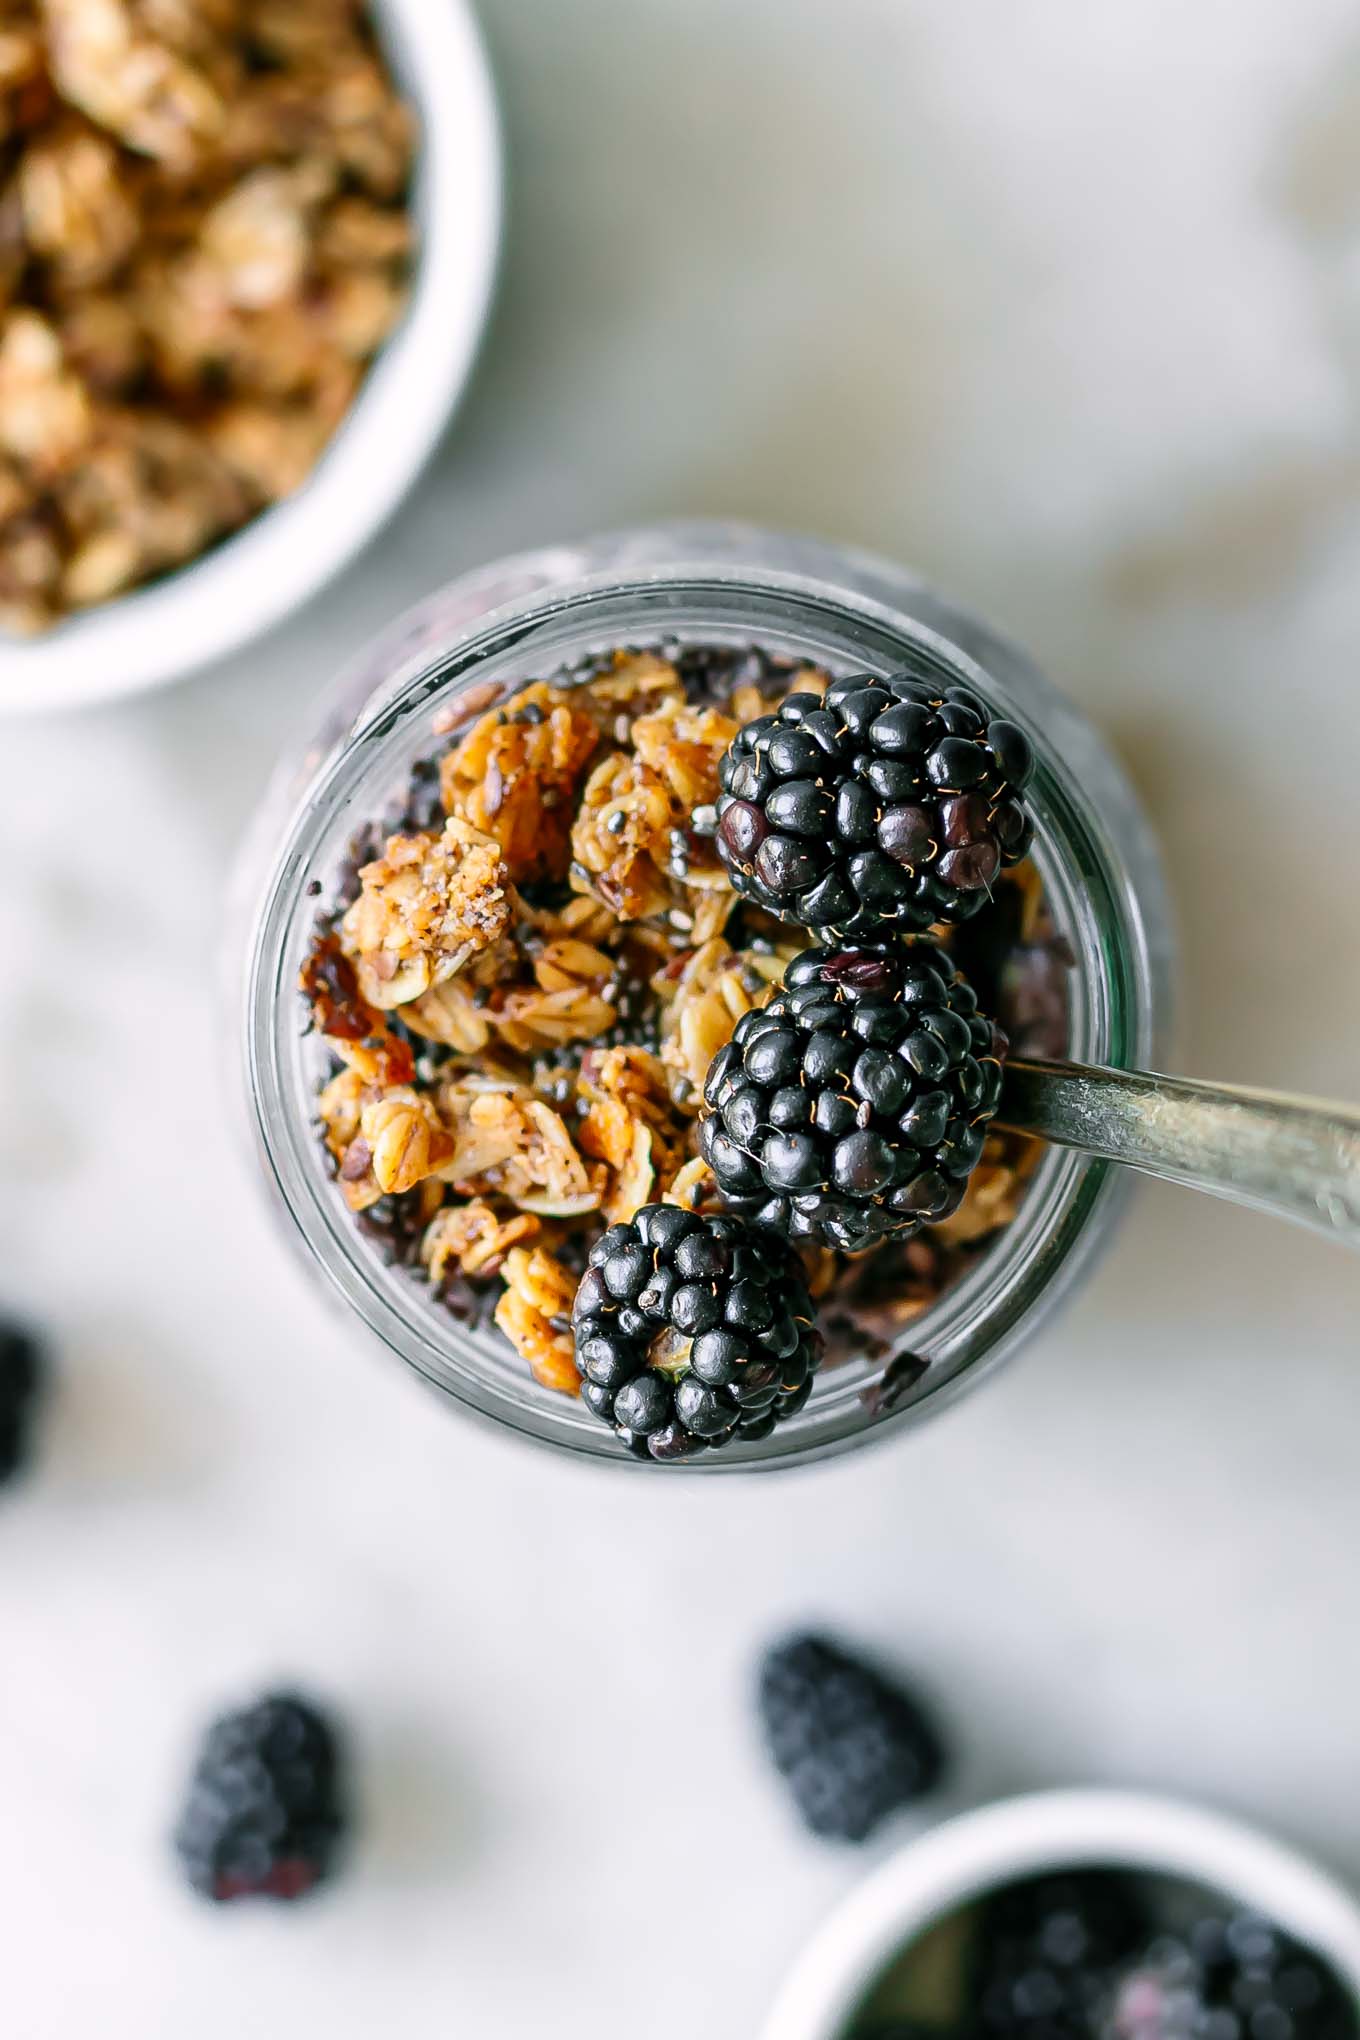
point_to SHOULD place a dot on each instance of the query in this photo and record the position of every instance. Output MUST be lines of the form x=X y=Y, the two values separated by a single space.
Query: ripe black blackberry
x=889 y=802
x=852 y=1746
x=854 y=1105
x=21 y=1370
x=1048 y=1952
x=692 y=1331
x=265 y=1811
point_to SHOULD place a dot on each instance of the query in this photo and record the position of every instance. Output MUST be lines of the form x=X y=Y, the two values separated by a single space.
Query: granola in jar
x=513 y=1073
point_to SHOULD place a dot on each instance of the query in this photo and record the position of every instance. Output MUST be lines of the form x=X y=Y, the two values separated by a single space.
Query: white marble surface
x=1061 y=303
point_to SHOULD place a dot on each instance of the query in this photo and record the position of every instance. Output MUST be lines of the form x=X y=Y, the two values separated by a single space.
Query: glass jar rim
x=979 y=1319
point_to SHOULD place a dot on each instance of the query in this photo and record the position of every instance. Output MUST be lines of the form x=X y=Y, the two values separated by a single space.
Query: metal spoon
x=1296 y=1157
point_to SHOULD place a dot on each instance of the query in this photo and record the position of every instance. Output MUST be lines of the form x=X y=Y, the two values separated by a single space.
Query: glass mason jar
x=545 y=612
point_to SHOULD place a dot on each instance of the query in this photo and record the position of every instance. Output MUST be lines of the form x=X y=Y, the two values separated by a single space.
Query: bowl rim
x=1039 y=1831
x=216 y=605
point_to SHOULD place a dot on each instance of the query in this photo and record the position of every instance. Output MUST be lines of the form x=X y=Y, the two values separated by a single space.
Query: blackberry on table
x=1048 y=1952
x=265 y=1812
x=852 y=1745
x=21 y=1371
x=692 y=1331
x=887 y=803
x=855 y=1104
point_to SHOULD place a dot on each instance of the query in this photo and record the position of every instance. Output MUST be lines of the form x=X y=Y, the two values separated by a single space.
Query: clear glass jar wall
x=539 y=615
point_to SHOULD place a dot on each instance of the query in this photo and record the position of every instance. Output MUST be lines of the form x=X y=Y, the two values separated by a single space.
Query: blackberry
x=852 y=1746
x=265 y=1811
x=692 y=1331
x=1048 y=1951
x=855 y=1105
x=21 y=1372
x=891 y=801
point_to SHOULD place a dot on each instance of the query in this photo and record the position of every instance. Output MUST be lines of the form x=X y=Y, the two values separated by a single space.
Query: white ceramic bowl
x=965 y=1857
x=220 y=602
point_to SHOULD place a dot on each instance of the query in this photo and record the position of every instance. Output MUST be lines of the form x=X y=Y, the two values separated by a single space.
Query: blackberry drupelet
x=21 y=1371
x=852 y=1746
x=692 y=1331
x=265 y=1812
x=1049 y=1950
x=890 y=802
x=855 y=1105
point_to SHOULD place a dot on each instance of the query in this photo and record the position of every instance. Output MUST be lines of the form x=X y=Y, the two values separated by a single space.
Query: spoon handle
x=1296 y=1157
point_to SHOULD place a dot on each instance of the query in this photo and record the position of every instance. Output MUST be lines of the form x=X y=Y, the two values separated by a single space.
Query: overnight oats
x=655 y=999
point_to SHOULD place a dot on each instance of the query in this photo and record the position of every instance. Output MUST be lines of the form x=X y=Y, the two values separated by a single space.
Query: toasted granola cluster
x=203 y=240
x=528 y=973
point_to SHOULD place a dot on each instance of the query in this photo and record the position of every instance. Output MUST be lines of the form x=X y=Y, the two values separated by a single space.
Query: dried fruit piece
x=357 y=1032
